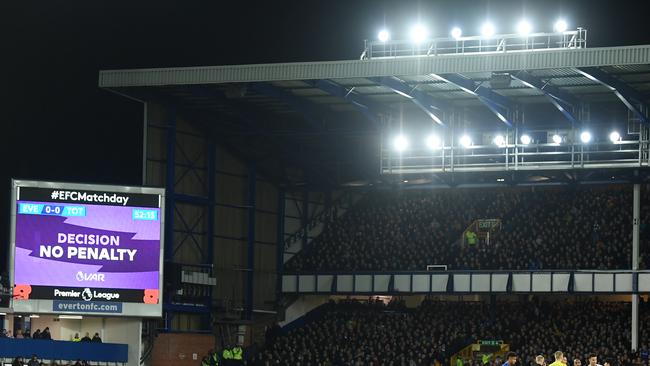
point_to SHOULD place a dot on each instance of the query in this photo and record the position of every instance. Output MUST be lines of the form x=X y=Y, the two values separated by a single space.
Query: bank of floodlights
x=401 y=143
x=418 y=33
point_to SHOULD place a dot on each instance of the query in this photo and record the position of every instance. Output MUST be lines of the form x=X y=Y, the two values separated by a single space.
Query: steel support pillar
x=280 y=242
x=211 y=219
x=250 y=265
x=635 y=264
x=304 y=219
x=211 y=199
x=170 y=183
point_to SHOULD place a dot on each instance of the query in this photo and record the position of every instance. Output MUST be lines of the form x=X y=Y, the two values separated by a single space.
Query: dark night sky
x=56 y=124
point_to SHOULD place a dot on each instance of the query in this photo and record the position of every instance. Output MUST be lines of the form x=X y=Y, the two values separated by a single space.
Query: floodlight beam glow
x=456 y=32
x=383 y=35
x=418 y=33
x=499 y=140
x=433 y=142
x=400 y=143
x=465 y=141
x=524 y=27
x=487 y=29
x=560 y=25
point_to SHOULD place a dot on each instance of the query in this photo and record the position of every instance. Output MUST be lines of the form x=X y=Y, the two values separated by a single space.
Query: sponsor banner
x=86 y=294
x=88 y=197
x=86 y=307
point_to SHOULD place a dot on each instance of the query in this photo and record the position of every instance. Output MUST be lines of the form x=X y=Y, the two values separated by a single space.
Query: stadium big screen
x=86 y=249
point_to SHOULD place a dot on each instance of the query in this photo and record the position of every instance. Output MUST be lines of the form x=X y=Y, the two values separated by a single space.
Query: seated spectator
x=577 y=228
x=96 y=338
x=33 y=361
x=19 y=334
x=37 y=334
x=46 y=334
x=18 y=361
x=26 y=334
x=86 y=338
x=352 y=332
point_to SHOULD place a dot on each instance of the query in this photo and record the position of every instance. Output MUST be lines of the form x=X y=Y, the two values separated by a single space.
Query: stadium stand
x=551 y=228
x=371 y=333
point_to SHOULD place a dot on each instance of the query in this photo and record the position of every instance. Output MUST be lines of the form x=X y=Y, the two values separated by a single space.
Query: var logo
x=95 y=277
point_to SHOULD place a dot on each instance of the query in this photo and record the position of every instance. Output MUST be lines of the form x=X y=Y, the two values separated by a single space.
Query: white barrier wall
x=584 y=282
x=112 y=330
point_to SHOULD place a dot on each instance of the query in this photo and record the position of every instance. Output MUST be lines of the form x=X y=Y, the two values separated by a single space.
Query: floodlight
x=614 y=137
x=456 y=32
x=383 y=35
x=465 y=141
x=487 y=29
x=400 y=143
x=499 y=140
x=557 y=139
x=585 y=137
x=433 y=142
x=525 y=139
x=524 y=27
x=418 y=33
x=560 y=26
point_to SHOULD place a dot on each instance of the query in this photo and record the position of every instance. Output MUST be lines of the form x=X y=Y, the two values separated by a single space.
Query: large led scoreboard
x=86 y=249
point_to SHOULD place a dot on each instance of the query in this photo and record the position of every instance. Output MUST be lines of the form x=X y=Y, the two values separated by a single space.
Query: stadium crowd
x=371 y=333
x=579 y=228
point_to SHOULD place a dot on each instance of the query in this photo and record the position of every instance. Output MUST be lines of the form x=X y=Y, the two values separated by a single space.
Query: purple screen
x=80 y=245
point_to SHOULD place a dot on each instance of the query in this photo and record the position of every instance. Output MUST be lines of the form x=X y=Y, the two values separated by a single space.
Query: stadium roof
x=327 y=117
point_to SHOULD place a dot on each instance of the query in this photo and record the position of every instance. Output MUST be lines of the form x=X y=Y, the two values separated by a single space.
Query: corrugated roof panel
x=290 y=84
x=309 y=92
x=542 y=59
x=375 y=89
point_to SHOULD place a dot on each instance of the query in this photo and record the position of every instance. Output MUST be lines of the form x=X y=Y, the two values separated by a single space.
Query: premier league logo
x=87 y=295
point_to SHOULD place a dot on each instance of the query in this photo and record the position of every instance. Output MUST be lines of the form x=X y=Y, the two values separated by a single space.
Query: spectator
x=76 y=338
x=19 y=334
x=18 y=361
x=37 y=334
x=86 y=338
x=46 y=334
x=33 y=361
x=352 y=332
x=542 y=229
x=26 y=334
x=96 y=338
